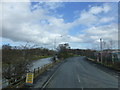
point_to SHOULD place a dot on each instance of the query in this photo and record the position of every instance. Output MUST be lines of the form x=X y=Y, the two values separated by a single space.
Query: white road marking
x=79 y=81
x=44 y=86
x=78 y=78
x=49 y=79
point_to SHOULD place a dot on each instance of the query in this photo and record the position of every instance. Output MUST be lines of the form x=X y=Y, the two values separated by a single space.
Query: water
x=35 y=64
x=40 y=63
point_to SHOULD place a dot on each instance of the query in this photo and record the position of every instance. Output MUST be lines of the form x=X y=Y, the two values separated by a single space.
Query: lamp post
x=56 y=41
x=101 y=49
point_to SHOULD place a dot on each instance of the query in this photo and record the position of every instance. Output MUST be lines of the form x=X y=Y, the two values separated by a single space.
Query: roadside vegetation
x=107 y=59
x=64 y=51
x=16 y=61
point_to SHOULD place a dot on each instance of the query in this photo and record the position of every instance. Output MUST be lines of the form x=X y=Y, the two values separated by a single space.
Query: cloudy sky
x=78 y=23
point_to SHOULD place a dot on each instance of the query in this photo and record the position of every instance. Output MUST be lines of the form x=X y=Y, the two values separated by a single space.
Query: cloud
x=87 y=18
x=106 y=8
x=75 y=39
x=106 y=19
x=99 y=9
x=96 y=10
x=36 y=23
x=92 y=15
x=22 y=24
x=92 y=35
x=107 y=32
x=51 y=5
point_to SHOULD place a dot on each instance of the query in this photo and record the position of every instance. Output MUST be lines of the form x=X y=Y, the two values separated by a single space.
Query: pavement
x=76 y=72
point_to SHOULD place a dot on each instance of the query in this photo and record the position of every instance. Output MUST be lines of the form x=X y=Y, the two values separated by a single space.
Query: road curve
x=78 y=73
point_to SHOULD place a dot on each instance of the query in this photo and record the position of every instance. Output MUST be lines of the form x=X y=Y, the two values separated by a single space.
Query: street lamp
x=101 y=49
x=55 y=41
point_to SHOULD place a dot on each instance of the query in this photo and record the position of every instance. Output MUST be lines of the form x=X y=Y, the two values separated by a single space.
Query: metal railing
x=21 y=82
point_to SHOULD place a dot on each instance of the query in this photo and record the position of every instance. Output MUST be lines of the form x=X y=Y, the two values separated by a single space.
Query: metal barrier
x=37 y=71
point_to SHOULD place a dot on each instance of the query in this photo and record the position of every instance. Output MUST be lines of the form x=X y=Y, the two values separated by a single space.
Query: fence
x=21 y=81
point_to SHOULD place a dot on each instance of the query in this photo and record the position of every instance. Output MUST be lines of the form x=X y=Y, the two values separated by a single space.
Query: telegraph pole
x=101 y=49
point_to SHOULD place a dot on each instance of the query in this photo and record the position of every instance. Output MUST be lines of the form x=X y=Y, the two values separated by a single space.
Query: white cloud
x=52 y=5
x=107 y=32
x=75 y=39
x=99 y=9
x=92 y=15
x=106 y=8
x=96 y=10
x=22 y=24
x=87 y=18
x=92 y=35
x=106 y=19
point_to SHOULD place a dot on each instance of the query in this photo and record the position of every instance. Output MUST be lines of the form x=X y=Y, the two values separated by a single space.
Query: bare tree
x=15 y=62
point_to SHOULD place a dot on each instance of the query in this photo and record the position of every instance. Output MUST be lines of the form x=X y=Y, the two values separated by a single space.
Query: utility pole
x=101 y=49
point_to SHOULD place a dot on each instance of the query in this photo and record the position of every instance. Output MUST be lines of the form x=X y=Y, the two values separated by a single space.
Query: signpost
x=29 y=79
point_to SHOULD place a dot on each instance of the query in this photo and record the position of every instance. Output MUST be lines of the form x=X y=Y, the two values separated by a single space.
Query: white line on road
x=44 y=86
x=78 y=78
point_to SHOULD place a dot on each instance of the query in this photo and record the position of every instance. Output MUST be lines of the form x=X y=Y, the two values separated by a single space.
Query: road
x=78 y=73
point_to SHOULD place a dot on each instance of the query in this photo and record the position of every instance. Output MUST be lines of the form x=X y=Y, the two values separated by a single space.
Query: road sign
x=29 y=78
